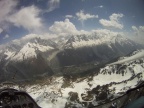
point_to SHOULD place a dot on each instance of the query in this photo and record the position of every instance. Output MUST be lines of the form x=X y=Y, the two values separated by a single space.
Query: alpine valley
x=75 y=71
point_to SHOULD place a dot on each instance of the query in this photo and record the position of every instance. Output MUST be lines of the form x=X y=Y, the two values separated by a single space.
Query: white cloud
x=141 y=28
x=138 y=30
x=28 y=37
x=52 y=5
x=6 y=8
x=114 y=21
x=105 y=32
x=63 y=27
x=68 y=28
x=1 y=30
x=69 y=16
x=138 y=34
x=134 y=28
x=85 y=16
x=101 y=6
x=26 y=17
x=6 y=36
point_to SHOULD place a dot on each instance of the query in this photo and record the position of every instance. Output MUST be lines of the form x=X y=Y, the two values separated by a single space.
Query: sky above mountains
x=63 y=17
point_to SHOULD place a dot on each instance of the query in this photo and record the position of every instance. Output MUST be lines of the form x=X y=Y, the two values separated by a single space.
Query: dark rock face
x=27 y=69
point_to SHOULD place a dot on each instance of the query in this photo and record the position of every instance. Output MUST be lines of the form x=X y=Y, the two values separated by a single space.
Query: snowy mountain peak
x=95 y=40
x=30 y=50
x=78 y=38
x=26 y=48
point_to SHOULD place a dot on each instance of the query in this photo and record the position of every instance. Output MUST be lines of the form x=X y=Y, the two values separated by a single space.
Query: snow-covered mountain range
x=30 y=49
x=94 y=48
x=36 y=56
x=94 y=40
x=108 y=83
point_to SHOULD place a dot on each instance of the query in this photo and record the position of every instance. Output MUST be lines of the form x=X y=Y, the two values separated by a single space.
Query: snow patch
x=131 y=58
x=9 y=54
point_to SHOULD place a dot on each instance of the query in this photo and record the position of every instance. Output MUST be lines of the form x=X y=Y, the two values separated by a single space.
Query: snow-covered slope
x=110 y=82
x=29 y=51
x=95 y=40
x=135 y=55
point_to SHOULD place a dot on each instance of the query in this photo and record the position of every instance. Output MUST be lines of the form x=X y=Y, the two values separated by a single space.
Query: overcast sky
x=22 y=17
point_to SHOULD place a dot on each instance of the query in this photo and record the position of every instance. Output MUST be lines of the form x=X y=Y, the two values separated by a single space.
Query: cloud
x=101 y=6
x=114 y=21
x=7 y=8
x=141 y=28
x=63 y=27
x=85 y=16
x=138 y=30
x=134 y=28
x=52 y=5
x=28 y=18
x=69 y=16
x=138 y=34
x=68 y=28
x=106 y=32
x=1 y=30
x=6 y=36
